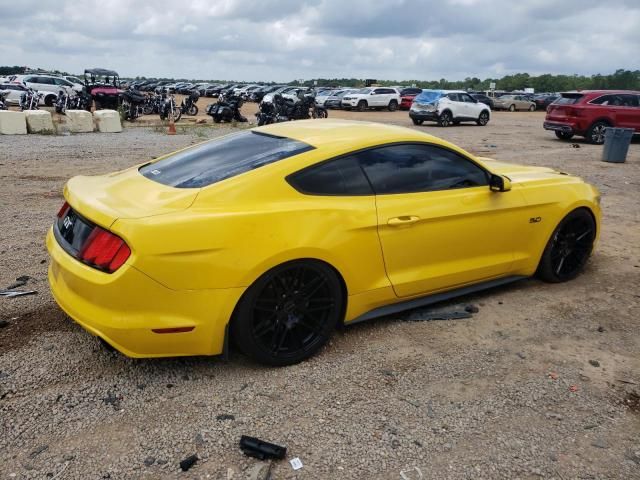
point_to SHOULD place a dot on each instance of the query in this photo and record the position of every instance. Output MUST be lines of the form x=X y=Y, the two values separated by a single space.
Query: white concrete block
x=107 y=121
x=12 y=123
x=79 y=121
x=38 y=121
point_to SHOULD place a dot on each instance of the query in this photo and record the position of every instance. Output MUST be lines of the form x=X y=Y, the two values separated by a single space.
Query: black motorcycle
x=188 y=105
x=132 y=102
x=168 y=107
x=77 y=101
x=226 y=110
x=30 y=99
x=3 y=102
x=282 y=109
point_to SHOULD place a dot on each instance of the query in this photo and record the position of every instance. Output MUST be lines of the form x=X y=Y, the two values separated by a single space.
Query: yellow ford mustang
x=273 y=236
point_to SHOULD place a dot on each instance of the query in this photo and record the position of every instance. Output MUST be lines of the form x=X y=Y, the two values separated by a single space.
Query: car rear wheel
x=564 y=135
x=445 y=118
x=49 y=100
x=289 y=313
x=416 y=121
x=362 y=105
x=393 y=106
x=512 y=108
x=595 y=134
x=483 y=119
x=568 y=248
x=532 y=108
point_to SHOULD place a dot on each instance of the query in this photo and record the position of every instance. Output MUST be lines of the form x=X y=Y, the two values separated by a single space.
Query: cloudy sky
x=282 y=40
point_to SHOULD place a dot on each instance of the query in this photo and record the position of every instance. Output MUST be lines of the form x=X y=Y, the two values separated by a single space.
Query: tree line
x=621 y=79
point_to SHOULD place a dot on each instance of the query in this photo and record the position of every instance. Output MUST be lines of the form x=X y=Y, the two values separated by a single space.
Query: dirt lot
x=542 y=382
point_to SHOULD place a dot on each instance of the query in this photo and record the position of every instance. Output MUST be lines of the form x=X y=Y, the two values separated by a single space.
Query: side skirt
x=431 y=299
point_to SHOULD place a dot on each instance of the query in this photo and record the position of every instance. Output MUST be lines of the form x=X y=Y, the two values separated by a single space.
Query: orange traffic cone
x=172 y=125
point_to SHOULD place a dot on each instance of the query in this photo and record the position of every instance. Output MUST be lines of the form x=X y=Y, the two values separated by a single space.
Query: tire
x=147 y=110
x=416 y=121
x=362 y=105
x=512 y=108
x=193 y=111
x=393 y=106
x=483 y=118
x=216 y=119
x=532 y=108
x=445 y=119
x=320 y=113
x=289 y=313
x=564 y=135
x=177 y=114
x=595 y=134
x=569 y=247
x=49 y=99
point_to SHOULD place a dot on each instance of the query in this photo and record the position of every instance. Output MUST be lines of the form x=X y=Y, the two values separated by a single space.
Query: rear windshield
x=568 y=99
x=222 y=158
x=429 y=96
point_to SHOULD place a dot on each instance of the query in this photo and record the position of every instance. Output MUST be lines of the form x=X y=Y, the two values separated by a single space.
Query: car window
x=410 y=168
x=222 y=158
x=60 y=81
x=603 y=100
x=454 y=97
x=342 y=176
x=467 y=98
x=569 y=99
x=629 y=100
x=45 y=80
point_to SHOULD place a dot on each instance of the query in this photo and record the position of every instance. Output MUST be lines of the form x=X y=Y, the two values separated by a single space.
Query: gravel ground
x=542 y=382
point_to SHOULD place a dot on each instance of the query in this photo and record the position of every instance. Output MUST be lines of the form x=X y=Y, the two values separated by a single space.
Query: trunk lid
x=105 y=198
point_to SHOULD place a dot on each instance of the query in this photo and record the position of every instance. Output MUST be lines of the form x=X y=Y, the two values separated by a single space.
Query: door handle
x=403 y=220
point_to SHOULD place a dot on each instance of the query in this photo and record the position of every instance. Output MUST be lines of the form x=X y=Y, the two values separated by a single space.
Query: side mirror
x=498 y=183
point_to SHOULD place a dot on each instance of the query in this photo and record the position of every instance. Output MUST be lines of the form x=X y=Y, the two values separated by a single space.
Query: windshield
x=507 y=97
x=429 y=96
x=222 y=158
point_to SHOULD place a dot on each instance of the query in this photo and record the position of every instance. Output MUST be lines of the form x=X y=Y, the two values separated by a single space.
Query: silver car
x=513 y=103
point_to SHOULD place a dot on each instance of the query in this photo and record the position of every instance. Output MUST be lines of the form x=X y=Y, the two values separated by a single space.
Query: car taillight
x=63 y=210
x=104 y=250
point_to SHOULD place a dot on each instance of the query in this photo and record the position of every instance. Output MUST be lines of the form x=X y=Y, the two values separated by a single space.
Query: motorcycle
x=282 y=109
x=226 y=110
x=168 y=107
x=132 y=104
x=3 y=95
x=188 y=105
x=78 y=101
x=29 y=100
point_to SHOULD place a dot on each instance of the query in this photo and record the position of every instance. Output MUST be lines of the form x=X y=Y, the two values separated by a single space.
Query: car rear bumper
x=559 y=127
x=124 y=308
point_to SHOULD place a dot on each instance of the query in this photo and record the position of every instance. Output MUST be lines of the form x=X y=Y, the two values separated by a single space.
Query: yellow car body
x=196 y=251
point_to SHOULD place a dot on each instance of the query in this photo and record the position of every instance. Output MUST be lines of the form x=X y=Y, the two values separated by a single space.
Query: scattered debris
x=296 y=463
x=600 y=443
x=632 y=401
x=113 y=400
x=554 y=416
x=149 y=461
x=573 y=388
x=254 y=447
x=594 y=363
x=20 y=282
x=4 y=323
x=575 y=145
x=188 y=462
x=38 y=450
x=553 y=375
x=521 y=355
x=225 y=416
x=413 y=473
x=601 y=329
x=17 y=293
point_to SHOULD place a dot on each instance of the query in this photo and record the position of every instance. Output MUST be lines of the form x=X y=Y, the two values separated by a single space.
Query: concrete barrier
x=12 y=123
x=38 y=121
x=107 y=121
x=79 y=121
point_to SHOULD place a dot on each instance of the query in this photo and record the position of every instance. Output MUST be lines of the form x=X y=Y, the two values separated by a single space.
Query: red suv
x=588 y=113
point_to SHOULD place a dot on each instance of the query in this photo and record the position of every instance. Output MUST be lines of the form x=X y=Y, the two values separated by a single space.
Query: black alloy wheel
x=569 y=247
x=289 y=313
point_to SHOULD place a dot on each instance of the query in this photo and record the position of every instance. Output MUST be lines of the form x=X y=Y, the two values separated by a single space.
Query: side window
x=377 y=91
x=603 y=100
x=60 y=81
x=467 y=98
x=336 y=177
x=453 y=97
x=419 y=168
x=629 y=100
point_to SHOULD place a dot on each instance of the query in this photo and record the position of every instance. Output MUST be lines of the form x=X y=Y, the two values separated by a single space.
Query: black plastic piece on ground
x=254 y=447
x=188 y=462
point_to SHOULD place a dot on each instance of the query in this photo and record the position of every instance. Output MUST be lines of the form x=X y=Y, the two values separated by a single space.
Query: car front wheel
x=362 y=105
x=289 y=313
x=416 y=121
x=483 y=119
x=564 y=135
x=569 y=247
x=512 y=108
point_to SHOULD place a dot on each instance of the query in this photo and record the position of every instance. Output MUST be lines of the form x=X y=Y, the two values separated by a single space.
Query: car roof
x=602 y=92
x=328 y=132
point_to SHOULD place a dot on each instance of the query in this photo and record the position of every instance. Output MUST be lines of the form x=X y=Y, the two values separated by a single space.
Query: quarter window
x=336 y=177
x=418 y=168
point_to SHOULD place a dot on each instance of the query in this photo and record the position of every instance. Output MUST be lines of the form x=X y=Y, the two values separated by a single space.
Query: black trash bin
x=616 y=144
